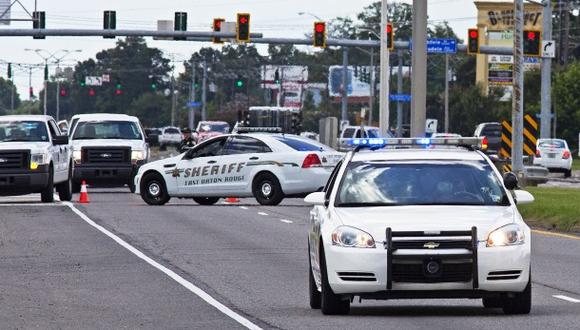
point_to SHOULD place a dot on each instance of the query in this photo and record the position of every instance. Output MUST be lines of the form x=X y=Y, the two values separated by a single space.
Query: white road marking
x=262 y=213
x=243 y=207
x=286 y=221
x=188 y=285
x=568 y=299
x=30 y=204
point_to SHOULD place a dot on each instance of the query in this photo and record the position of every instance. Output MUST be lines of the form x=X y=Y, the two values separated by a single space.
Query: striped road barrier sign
x=530 y=137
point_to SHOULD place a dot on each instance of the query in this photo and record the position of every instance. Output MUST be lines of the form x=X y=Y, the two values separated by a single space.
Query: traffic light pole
x=419 y=69
x=546 y=68
x=192 y=97
x=384 y=69
x=400 y=91
x=446 y=93
x=344 y=94
x=204 y=92
x=518 y=87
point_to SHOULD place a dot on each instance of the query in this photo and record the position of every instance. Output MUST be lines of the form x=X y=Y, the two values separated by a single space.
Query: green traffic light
x=119 y=86
x=239 y=84
x=153 y=86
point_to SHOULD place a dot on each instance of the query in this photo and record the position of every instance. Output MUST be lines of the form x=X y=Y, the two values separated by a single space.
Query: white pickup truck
x=34 y=158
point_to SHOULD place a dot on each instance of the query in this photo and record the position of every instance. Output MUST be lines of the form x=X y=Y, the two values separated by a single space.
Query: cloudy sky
x=273 y=18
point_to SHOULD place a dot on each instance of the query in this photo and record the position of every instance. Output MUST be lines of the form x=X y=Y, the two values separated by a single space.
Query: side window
x=348 y=133
x=73 y=124
x=331 y=181
x=211 y=149
x=237 y=145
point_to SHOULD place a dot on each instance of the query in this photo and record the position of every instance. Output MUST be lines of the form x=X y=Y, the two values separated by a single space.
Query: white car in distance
x=555 y=155
x=170 y=136
x=423 y=222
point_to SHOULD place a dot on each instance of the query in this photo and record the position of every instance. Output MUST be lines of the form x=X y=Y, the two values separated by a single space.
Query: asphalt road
x=58 y=270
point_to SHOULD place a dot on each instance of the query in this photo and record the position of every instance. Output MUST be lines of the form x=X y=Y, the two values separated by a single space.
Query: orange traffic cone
x=84 y=199
x=232 y=200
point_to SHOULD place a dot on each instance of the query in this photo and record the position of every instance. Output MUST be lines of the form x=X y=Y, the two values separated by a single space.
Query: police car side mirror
x=523 y=197
x=510 y=181
x=316 y=198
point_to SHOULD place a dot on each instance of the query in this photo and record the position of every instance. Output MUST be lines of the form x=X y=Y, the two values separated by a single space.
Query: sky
x=273 y=18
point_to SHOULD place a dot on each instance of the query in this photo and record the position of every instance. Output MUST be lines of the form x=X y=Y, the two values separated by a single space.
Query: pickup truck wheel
x=520 y=303
x=65 y=189
x=153 y=189
x=206 y=200
x=267 y=190
x=131 y=184
x=47 y=195
x=330 y=303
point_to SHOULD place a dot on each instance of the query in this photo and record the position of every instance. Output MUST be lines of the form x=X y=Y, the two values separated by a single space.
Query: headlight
x=346 y=236
x=38 y=159
x=77 y=156
x=137 y=155
x=505 y=236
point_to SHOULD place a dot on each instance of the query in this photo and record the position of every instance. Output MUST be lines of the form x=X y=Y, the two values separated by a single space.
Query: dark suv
x=492 y=131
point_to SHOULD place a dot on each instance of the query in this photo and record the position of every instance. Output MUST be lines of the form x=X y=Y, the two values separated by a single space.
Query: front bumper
x=22 y=182
x=365 y=272
x=106 y=174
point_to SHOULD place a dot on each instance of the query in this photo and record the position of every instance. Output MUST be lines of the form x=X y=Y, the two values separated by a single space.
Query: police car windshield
x=23 y=131
x=420 y=183
x=299 y=144
x=122 y=130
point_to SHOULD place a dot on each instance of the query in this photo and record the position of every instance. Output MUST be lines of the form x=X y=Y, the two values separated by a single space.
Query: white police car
x=266 y=166
x=407 y=222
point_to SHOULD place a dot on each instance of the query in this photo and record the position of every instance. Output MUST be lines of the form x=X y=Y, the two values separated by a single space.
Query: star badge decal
x=176 y=173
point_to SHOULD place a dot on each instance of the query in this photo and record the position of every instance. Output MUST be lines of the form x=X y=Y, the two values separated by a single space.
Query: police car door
x=60 y=155
x=197 y=171
x=244 y=152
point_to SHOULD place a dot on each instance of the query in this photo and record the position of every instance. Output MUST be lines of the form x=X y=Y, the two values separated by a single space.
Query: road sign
x=442 y=46
x=431 y=126
x=548 y=48
x=93 y=81
x=193 y=104
x=400 y=98
x=530 y=137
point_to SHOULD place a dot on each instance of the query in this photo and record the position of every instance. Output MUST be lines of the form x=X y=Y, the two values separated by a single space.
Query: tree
x=566 y=97
x=6 y=89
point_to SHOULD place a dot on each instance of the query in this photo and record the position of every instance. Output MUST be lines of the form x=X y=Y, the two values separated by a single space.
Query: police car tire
x=276 y=196
x=149 y=179
x=492 y=302
x=314 y=295
x=520 y=303
x=330 y=303
x=47 y=195
x=206 y=200
x=65 y=189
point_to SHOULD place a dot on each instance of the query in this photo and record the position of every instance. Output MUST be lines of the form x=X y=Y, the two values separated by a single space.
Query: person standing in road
x=187 y=142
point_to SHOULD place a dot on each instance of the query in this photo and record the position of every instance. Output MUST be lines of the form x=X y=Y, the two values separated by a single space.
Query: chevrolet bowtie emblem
x=431 y=245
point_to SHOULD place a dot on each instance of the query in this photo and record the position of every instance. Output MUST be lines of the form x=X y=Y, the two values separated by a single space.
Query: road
x=222 y=267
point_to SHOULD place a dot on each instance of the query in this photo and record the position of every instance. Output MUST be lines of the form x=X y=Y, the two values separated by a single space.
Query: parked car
x=354 y=132
x=555 y=155
x=209 y=129
x=170 y=136
x=492 y=131
x=445 y=135
x=153 y=136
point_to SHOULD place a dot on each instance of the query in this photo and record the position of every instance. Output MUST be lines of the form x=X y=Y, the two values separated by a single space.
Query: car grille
x=106 y=155
x=17 y=159
x=408 y=259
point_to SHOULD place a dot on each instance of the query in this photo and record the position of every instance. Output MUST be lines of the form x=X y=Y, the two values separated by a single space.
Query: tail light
x=484 y=144
x=538 y=155
x=566 y=154
x=311 y=160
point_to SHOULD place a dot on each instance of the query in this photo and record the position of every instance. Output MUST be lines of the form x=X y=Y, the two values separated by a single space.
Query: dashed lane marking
x=263 y=213
x=188 y=285
x=286 y=221
x=566 y=298
x=549 y=233
x=243 y=207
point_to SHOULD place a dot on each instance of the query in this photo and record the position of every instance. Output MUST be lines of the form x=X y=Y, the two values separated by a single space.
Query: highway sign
x=193 y=104
x=400 y=98
x=442 y=46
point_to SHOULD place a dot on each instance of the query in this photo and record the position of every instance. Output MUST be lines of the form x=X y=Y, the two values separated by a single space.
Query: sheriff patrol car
x=34 y=158
x=419 y=220
x=266 y=166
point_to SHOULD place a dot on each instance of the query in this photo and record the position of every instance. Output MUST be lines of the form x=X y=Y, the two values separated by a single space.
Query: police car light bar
x=378 y=143
x=259 y=130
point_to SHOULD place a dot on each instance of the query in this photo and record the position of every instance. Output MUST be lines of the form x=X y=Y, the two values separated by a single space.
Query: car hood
x=159 y=165
x=34 y=147
x=134 y=144
x=375 y=220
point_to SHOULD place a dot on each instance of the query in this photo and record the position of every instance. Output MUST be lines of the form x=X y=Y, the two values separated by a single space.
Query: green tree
x=566 y=97
x=6 y=89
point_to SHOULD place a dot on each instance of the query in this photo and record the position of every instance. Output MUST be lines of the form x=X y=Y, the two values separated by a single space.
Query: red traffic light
x=531 y=35
x=118 y=92
x=63 y=92
x=473 y=34
x=243 y=20
x=92 y=92
x=389 y=28
x=320 y=27
x=218 y=24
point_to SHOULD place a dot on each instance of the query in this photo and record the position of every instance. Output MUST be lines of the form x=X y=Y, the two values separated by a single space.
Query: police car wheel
x=47 y=195
x=314 y=294
x=331 y=303
x=267 y=189
x=492 y=302
x=520 y=303
x=153 y=190
x=206 y=200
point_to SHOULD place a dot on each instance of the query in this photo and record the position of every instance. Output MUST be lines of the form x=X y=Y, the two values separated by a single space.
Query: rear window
x=299 y=145
x=172 y=131
x=552 y=144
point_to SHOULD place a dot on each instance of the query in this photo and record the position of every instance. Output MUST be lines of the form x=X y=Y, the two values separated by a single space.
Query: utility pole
x=344 y=113
x=546 y=69
x=372 y=91
x=419 y=74
x=446 y=93
x=204 y=92
x=400 y=91
x=57 y=99
x=565 y=32
x=45 y=88
x=192 y=97
x=173 y=101
x=384 y=89
x=518 y=93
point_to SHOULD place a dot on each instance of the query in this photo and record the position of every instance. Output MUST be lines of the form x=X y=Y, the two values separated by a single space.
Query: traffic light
x=92 y=92
x=153 y=83
x=472 y=41
x=243 y=28
x=9 y=70
x=46 y=72
x=110 y=22
x=118 y=87
x=390 y=37
x=31 y=92
x=38 y=22
x=277 y=77
x=240 y=83
x=217 y=27
x=180 y=23
x=320 y=34
x=532 y=42
x=63 y=92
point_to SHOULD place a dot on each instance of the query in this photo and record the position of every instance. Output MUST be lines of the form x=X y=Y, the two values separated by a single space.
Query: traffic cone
x=232 y=200
x=84 y=199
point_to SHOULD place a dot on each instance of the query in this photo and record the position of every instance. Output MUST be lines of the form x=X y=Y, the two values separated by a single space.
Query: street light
x=302 y=13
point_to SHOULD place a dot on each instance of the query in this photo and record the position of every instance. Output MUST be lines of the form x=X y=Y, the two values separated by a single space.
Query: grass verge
x=554 y=208
x=576 y=164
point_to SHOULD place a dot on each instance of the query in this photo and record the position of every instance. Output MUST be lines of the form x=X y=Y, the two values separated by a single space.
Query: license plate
x=551 y=155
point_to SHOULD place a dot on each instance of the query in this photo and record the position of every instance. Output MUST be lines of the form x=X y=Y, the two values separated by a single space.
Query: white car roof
x=25 y=118
x=105 y=116
x=418 y=154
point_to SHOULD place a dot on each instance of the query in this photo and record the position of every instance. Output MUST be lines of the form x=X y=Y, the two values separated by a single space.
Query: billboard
x=358 y=81
x=5 y=12
x=285 y=74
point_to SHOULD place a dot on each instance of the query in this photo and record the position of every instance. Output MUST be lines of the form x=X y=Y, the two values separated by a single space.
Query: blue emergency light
x=378 y=143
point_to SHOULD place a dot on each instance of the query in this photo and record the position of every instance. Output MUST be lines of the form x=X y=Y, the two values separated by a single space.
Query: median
x=554 y=208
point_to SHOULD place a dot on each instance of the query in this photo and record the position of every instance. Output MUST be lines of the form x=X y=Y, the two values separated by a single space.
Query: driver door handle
x=212 y=162
x=254 y=158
